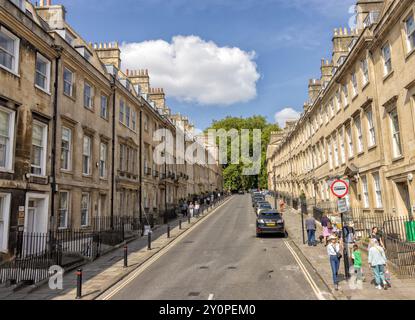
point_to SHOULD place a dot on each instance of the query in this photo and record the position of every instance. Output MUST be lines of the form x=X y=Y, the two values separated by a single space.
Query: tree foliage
x=232 y=173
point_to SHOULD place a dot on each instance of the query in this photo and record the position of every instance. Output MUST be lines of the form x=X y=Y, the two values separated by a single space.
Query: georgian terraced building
x=76 y=131
x=359 y=121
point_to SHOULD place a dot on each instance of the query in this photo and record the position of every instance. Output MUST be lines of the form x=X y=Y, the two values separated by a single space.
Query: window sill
x=409 y=54
x=66 y=171
x=387 y=76
x=43 y=90
x=91 y=109
x=38 y=176
x=69 y=97
x=355 y=97
x=10 y=71
x=359 y=154
x=87 y=175
x=365 y=85
x=4 y=170
x=346 y=106
x=397 y=159
x=372 y=147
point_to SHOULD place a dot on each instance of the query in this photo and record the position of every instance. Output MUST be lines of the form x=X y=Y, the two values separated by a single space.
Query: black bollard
x=149 y=241
x=188 y=218
x=125 y=256
x=168 y=231
x=180 y=224
x=79 y=284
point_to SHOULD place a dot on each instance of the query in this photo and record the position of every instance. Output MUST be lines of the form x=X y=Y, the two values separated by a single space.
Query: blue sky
x=275 y=46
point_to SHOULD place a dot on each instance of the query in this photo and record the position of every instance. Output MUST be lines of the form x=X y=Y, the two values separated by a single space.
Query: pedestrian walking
x=357 y=263
x=334 y=253
x=197 y=208
x=184 y=209
x=191 y=209
x=311 y=227
x=377 y=235
x=325 y=221
x=282 y=205
x=377 y=261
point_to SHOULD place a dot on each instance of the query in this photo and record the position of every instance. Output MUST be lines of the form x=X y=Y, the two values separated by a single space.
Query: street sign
x=342 y=206
x=340 y=188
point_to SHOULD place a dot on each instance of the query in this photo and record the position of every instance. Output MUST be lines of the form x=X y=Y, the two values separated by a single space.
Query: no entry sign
x=340 y=188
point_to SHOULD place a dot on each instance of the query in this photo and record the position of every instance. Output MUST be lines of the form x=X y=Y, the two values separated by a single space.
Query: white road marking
x=211 y=296
x=123 y=283
x=307 y=275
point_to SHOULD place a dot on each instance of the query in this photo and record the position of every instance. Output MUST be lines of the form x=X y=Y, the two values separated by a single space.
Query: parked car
x=241 y=192
x=257 y=199
x=270 y=222
x=262 y=205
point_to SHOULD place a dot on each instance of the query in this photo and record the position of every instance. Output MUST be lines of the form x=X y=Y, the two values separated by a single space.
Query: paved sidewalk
x=402 y=289
x=101 y=274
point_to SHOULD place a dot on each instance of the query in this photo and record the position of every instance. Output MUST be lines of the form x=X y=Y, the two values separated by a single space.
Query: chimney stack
x=141 y=78
x=109 y=53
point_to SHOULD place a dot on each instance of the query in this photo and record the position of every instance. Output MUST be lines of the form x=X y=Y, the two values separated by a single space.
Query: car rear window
x=273 y=215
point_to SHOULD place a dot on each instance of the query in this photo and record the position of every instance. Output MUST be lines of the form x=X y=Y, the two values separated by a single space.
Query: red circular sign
x=340 y=188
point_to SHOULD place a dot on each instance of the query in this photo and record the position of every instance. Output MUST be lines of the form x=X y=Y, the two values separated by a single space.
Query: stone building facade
x=77 y=131
x=358 y=123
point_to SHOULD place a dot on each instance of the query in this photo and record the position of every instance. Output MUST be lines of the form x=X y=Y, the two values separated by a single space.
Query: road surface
x=221 y=259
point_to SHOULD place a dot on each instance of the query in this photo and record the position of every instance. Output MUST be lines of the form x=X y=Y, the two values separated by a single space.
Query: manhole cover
x=204 y=267
x=232 y=268
x=194 y=294
x=188 y=242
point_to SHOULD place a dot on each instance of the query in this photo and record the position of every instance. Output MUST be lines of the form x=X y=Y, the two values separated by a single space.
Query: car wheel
x=258 y=235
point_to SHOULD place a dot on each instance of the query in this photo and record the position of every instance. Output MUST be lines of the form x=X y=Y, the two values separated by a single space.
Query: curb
x=120 y=278
x=336 y=294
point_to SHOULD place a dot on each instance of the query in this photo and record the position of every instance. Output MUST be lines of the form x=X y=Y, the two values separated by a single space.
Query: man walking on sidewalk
x=311 y=227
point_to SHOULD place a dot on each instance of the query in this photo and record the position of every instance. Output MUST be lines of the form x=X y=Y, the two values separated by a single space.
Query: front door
x=403 y=205
x=35 y=236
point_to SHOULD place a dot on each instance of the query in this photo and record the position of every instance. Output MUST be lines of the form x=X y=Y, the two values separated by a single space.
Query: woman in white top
x=334 y=253
x=197 y=207
x=191 y=209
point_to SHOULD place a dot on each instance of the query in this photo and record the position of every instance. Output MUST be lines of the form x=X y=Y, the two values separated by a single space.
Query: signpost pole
x=345 y=247
x=340 y=189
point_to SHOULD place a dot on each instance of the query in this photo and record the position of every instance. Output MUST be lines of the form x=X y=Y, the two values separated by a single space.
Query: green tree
x=232 y=174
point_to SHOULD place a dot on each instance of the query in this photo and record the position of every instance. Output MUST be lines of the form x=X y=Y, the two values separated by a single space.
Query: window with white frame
x=329 y=145
x=85 y=209
x=323 y=151
x=42 y=78
x=68 y=82
x=350 y=146
x=345 y=95
x=39 y=148
x=9 y=50
x=146 y=122
x=321 y=116
x=336 y=151
x=133 y=120
x=410 y=32
x=104 y=107
x=332 y=112
x=6 y=138
x=378 y=190
x=127 y=115
x=359 y=134
x=103 y=154
x=63 y=209
x=365 y=191
x=88 y=96
x=66 y=149
x=342 y=146
x=326 y=114
x=86 y=155
x=122 y=111
x=371 y=128
x=4 y=221
x=354 y=84
x=365 y=71
x=396 y=135
x=387 y=59
x=338 y=100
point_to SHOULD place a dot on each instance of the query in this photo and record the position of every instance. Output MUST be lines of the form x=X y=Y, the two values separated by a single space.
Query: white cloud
x=286 y=114
x=194 y=70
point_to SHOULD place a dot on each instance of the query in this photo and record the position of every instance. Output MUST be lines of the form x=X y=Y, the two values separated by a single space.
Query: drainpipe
x=140 y=195
x=113 y=153
x=55 y=132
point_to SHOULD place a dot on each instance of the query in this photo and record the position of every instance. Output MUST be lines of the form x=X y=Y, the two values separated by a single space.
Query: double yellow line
x=307 y=275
